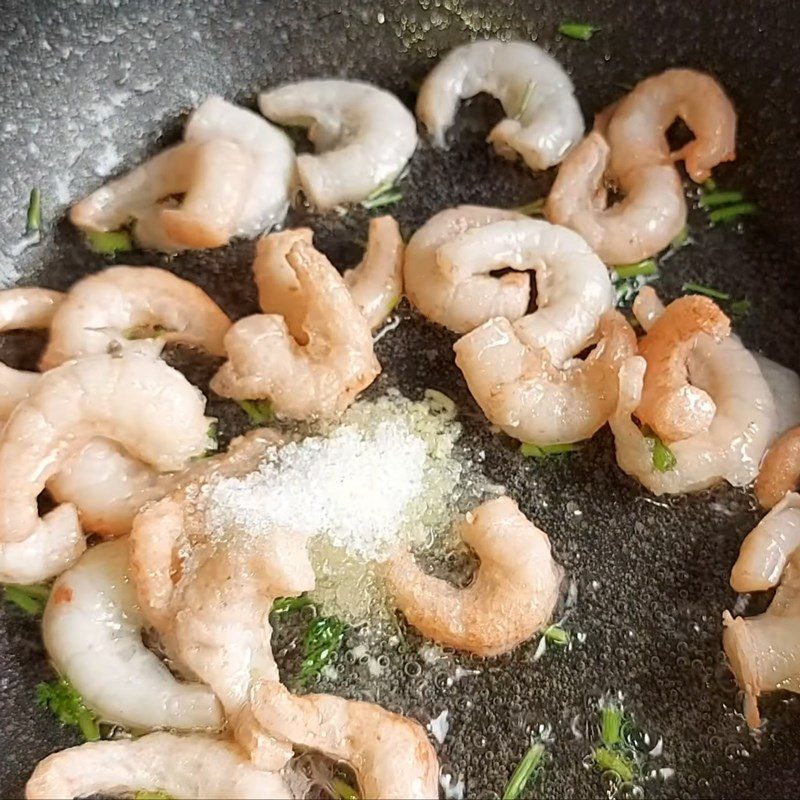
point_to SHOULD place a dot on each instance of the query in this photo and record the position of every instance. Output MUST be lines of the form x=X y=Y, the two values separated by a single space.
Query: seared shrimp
x=543 y=118
x=784 y=383
x=764 y=651
x=137 y=401
x=670 y=404
x=191 y=767
x=92 y=629
x=233 y=169
x=390 y=754
x=319 y=379
x=512 y=596
x=133 y=308
x=780 y=469
x=365 y=136
x=375 y=284
x=521 y=389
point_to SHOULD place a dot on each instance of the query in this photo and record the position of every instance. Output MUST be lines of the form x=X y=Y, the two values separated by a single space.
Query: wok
x=89 y=89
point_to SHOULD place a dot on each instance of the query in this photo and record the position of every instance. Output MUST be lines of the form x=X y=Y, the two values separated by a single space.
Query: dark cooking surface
x=87 y=85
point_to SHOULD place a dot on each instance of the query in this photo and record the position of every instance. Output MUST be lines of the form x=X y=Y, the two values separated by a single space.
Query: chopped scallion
x=109 y=242
x=34 y=218
x=61 y=698
x=526 y=98
x=611 y=761
x=146 y=794
x=731 y=213
x=286 y=605
x=530 y=764
x=382 y=200
x=715 y=199
x=646 y=267
x=577 y=30
x=681 y=239
x=740 y=308
x=259 y=411
x=533 y=209
x=30 y=599
x=322 y=641
x=610 y=724
x=663 y=458
x=543 y=451
x=555 y=634
x=710 y=185
x=342 y=790
x=145 y=332
x=708 y=291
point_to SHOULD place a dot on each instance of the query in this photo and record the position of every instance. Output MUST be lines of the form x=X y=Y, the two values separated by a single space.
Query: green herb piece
x=287 y=605
x=708 y=291
x=158 y=794
x=393 y=303
x=740 y=308
x=31 y=599
x=577 y=30
x=543 y=451
x=533 y=209
x=646 y=268
x=526 y=98
x=382 y=200
x=211 y=433
x=555 y=634
x=61 y=698
x=34 y=217
x=259 y=411
x=145 y=332
x=526 y=769
x=731 y=213
x=322 y=641
x=611 y=761
x=710 y=185
x=681 y=240
x=610 y=725
x=663 y=458
x=716 y=199
x=109 y=242
x=342 y=790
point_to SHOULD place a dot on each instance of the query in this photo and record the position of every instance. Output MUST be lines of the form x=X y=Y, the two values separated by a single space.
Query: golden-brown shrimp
x=531 y=398
x=390 y=754
x=133 y=308
x=319 y=379
x=670 y=404
x=512 y=596
x=764 y=651
x=780 y=469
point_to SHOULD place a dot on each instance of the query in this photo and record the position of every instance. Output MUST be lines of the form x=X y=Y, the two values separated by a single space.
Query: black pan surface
x=89 y=89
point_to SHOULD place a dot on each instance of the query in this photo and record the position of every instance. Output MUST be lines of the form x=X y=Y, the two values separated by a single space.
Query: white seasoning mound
x=352 y=487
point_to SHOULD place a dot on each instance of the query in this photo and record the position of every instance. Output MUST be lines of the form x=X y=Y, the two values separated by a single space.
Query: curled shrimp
x=521 y=389
x=375 y=284
x=543 y=119
x=133 y=308
x=764 y=651
x=390 y=754
x=233 y=169
x=512 y=596
x=365 y=136
x=780 y=469
x=137 y=401
x=670 y=404
x=193 y=767
x=92 y=629
x=629 y=149
x=318 y=379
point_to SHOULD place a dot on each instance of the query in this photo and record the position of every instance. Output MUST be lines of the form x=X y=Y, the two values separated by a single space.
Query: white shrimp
x=137 y=401
x=764 y=651
x=543 y=118
x=92 y=629
x=233 y=169
x=319 y=379
x=365 y=136
x=375 y=284
x=210 y=597
x=521 y=389
x=390 y=754
x=133 y=308
x=189 y=767
x=512 y=596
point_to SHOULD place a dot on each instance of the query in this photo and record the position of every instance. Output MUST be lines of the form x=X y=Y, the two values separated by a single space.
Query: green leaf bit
x=33 y=223
x=543 y=451
x=259 y=411
x=533 y=209
x=530 y=767
x=342 y=790
x=288 y=605
x=385 y=194
x=663 y=458
x=61 y=698
x=30 y=599
x=646 y=268
x=109 y=242
x=322 y=641
x=555 y=634
x=577 y=30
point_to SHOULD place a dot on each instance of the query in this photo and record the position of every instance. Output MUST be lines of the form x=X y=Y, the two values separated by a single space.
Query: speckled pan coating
x=90 y=88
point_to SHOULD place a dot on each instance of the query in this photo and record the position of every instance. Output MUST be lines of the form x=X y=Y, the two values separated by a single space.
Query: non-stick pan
x=89 y=89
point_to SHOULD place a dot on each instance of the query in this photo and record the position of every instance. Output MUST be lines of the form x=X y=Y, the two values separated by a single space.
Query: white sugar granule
x=352 y=487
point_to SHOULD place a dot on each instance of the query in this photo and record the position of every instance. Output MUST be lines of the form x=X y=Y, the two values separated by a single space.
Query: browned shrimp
x=780 y=469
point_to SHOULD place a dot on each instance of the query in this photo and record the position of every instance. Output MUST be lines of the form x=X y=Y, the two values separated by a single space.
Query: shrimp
x=764 y=651
x=512 y=596
x=629 y=149
x=137 y=401
x=390 y=754
x=375 y=284
x=365 y=136
x=429 y=288
x=543 y=119
x=784 y=383
x=92 y=629
x=133 y=308
x=780 y=469
x=192 y=767
x=670 y=405
x=233 y=169
x=521 y=389
x=210 y=597
x=319 y=379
